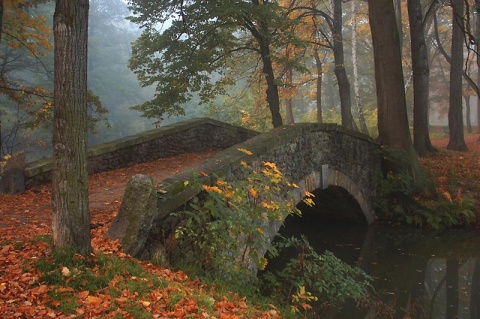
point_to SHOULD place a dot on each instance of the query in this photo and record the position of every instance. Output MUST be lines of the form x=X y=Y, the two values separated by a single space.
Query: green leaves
x=187 y=47
x=311 y=276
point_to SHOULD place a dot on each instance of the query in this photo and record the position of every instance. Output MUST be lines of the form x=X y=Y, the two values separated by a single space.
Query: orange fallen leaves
x=23 y=295
x=461 y=169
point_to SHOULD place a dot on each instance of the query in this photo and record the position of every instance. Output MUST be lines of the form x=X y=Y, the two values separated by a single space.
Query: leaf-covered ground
x=26 y=219
x=456 y=173
x=161 y=293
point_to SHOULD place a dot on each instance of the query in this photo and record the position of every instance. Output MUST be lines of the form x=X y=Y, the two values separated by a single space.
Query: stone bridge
x=314 y=156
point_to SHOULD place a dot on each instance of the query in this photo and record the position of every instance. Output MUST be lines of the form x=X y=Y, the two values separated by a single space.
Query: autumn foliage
x=160 y=293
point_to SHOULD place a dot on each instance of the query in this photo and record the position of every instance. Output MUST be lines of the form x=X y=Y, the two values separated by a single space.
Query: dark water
x=417 y=273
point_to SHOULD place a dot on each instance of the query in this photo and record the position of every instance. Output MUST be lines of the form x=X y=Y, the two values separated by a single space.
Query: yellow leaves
x=212 y=189
x=25 y=30
x=270 y=205
x=65 y=271
x=245 y=151
x=252 y=192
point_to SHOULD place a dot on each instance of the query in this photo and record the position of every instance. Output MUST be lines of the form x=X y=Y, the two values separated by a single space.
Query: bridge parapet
x=194 y=135
x=311 y=155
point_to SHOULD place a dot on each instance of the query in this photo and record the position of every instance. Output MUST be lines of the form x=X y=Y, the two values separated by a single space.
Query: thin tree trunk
x=421 y=73
x=455 y=114
x=71 y=215
x=477 y=34
x=467 y=113
x=356 y=84
x=340 y=72
x=319 y=67
x=289 y=100
x=273 y=98
x=1 y=31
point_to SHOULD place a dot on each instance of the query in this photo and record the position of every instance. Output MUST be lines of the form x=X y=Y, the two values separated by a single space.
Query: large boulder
x=134 y=220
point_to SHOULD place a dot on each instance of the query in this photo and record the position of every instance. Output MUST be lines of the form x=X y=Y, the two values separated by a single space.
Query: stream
x=417 y=273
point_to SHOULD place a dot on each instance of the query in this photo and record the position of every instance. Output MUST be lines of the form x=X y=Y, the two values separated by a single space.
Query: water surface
x=417 y=273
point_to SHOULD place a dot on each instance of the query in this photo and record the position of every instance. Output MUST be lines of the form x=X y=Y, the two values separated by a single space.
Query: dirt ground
x=29 y=214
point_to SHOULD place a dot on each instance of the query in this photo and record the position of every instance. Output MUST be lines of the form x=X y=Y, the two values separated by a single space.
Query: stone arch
x=331 y=177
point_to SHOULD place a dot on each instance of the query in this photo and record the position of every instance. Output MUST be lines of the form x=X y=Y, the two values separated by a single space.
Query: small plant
x=399 y=197
x=312 y=282
x=228 y=226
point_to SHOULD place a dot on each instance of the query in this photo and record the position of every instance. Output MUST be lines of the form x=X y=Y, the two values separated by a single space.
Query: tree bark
x=421 y=73
x=477 y=35
x=71 y=216
x=468 y=113
x=319 y=67
x=340 y=72
x=289 y=100
x=455 y=114
x=356 y=84
x=393 y=127
x=273 y=98
x=1 y=31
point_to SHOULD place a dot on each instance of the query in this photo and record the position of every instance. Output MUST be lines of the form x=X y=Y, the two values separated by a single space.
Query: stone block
x=134 y=220
x=12 y=178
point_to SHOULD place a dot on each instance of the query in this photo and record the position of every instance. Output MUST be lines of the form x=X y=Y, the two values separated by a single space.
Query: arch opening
x=333 y=204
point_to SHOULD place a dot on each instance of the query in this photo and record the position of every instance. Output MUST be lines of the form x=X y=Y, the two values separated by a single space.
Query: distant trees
x=71 y=213
x=24 y=41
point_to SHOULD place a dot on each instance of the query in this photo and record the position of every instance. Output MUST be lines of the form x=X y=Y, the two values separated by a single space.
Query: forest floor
x=25 y=221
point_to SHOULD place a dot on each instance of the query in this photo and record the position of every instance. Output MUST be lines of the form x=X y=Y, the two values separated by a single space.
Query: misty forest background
x=26 y=79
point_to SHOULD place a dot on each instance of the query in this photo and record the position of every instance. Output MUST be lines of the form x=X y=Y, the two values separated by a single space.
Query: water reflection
x=418 y=274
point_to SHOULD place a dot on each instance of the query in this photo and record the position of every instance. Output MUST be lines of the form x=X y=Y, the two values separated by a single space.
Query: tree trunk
x=421 y=72
x=356 y=84
x=319 y=67
x=273 y=98
x=477 y=35
x=455 y=114
x=71 y=216
x=1 y=31
x=468 y=113
x=340 y=72
x=393 y=127
x=289 y=100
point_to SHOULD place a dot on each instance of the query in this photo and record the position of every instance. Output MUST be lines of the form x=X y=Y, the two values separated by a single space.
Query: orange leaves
x=24 y=295
x=455 y=174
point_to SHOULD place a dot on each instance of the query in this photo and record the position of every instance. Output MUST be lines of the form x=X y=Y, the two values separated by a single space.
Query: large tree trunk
x=319 y=68
x=455 y=115
x=392 y=112
x=71 y=216
x=340 y=72
x=356 y=84
x=421 y=72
